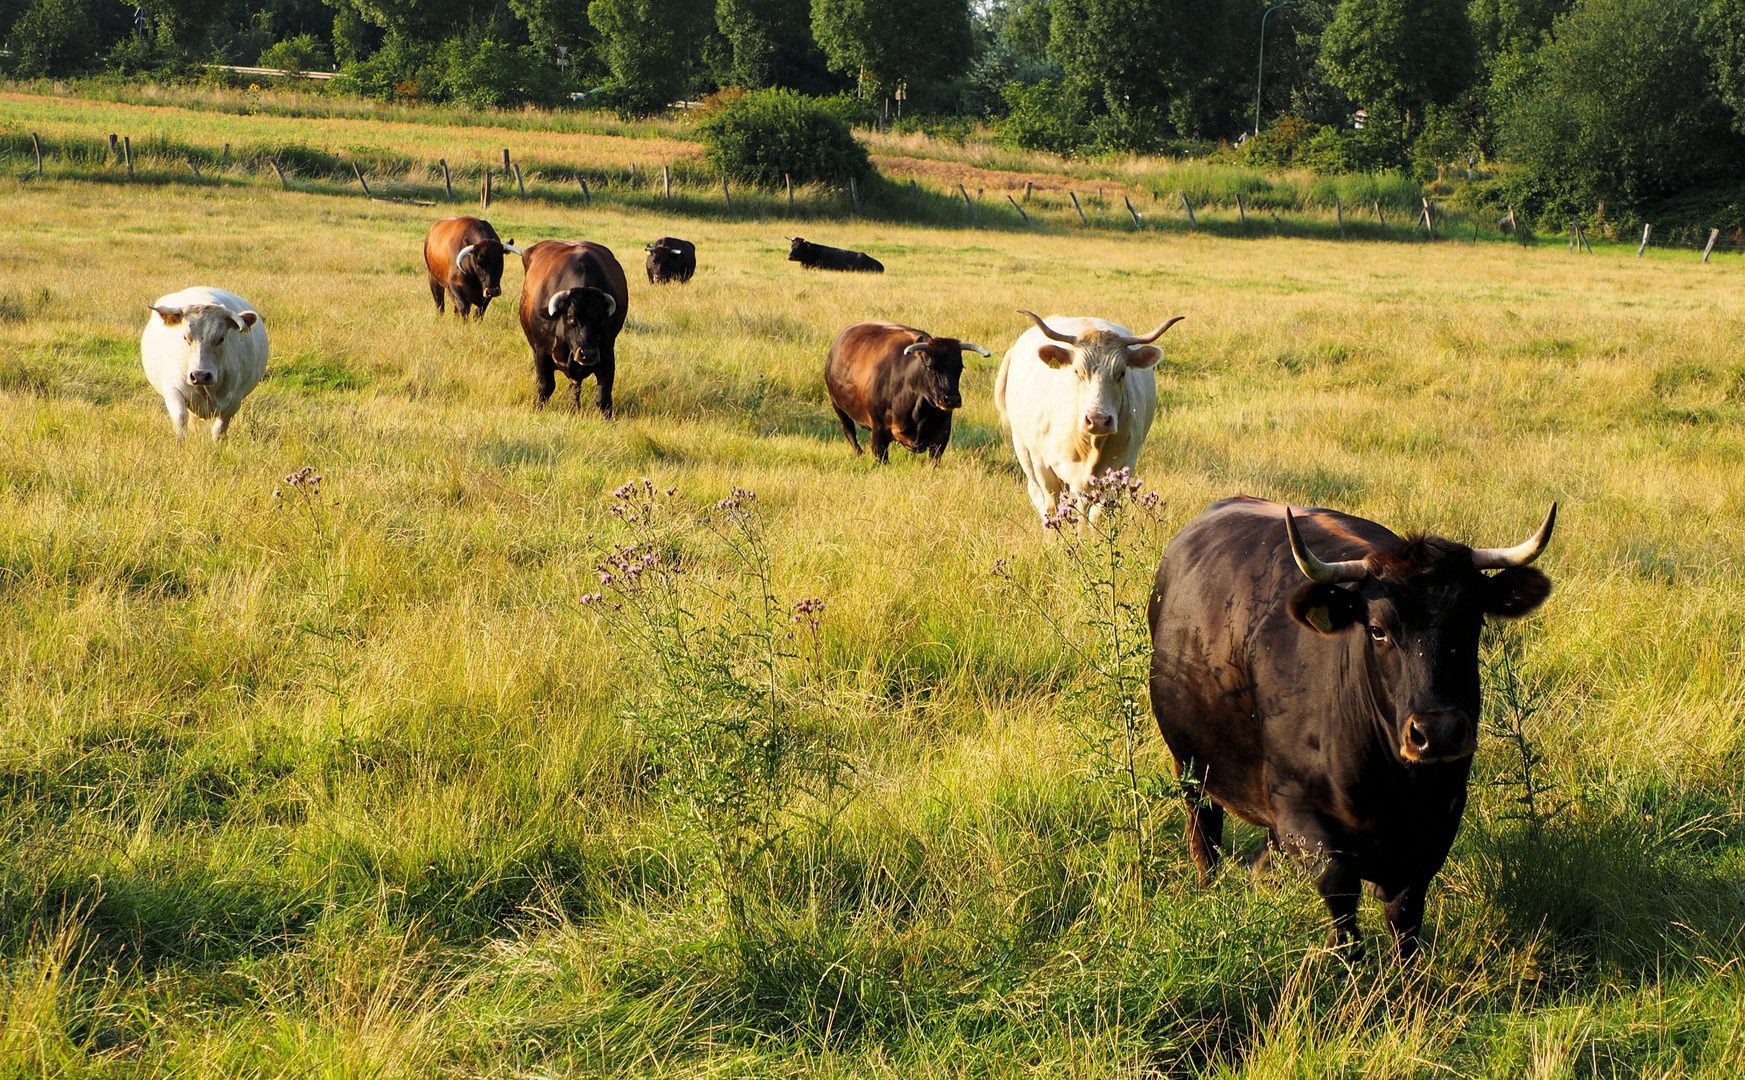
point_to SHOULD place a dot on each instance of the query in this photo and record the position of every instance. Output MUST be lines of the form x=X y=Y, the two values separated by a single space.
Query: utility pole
x=1260 y=69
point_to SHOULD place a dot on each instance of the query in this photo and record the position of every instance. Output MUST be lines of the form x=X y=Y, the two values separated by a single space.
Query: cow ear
x=1516 y=591
x=1055 y=356
x=245 y=320
x=172 y=316
x=1143 y=356
x=1326 y=608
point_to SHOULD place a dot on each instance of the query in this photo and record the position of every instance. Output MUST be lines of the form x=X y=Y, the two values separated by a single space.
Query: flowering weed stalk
x=723 y=707
x=1109 y=537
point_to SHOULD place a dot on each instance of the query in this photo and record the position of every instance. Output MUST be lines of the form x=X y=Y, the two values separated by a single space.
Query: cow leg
x=438 y=293
x=178 y=413
x=575 y=392
x=848 y=430
x=219 y=427
x=602 y=389
x=544 y=377
x=479 y=312
x=1405 y=915
x=881 y=445
x=1205 y=820
x=462 y=307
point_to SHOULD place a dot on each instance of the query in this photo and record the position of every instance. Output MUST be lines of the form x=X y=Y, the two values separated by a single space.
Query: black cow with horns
x=1334 y=704
x=819 y=257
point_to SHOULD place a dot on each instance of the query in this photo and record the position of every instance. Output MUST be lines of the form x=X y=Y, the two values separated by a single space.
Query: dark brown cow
x=1333 y=704
x=573 y=303
x=899 y=383
x=465 y=260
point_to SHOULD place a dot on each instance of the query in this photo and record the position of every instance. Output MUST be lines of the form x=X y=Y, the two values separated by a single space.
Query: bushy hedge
x=758 y=137
x=481 y=73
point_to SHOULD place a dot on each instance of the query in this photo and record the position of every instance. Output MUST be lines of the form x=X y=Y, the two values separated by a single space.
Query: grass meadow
x=350 y=782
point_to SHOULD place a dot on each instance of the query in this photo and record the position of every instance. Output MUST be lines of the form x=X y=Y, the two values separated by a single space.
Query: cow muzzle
x=198 y=377
x=492 y=292
x=1438 y=736
x=1098 y=423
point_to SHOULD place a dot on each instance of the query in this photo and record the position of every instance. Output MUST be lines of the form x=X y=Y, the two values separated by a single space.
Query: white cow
x=204 y=350
x=1079 y=396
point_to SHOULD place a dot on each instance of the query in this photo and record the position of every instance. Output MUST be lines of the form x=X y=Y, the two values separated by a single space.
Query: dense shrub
x=489 y=74
x=305 y=52
x=759 y=137
x=1043 y=116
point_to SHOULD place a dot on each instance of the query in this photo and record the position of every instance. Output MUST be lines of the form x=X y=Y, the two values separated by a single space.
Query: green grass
x=344 y=785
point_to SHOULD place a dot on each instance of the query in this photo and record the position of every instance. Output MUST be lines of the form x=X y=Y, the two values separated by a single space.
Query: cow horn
x=1062 y=338
x=1154 y=335
x=912 y=348
x=1316 y=570
x=1520 y=554
x=463 y=253
x=513 y=250
x=971 y=347
x=551 y=305
x=611 y=303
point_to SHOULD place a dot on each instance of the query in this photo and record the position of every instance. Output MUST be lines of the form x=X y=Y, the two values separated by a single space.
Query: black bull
x=1333 y=704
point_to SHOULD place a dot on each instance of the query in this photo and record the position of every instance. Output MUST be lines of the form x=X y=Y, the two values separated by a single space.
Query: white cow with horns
x=1079 y=396
x=204 y=350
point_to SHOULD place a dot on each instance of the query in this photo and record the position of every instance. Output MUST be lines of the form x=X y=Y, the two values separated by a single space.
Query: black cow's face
x=1418 y=628
x=798 y=249
x=581 y=315
x=939 y=371
x=487 y=263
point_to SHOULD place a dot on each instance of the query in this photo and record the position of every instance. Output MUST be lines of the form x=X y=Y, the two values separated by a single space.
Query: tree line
x=1635 y=104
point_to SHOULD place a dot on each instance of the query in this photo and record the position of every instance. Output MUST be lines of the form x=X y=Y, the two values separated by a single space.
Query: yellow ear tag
x=1320 y=619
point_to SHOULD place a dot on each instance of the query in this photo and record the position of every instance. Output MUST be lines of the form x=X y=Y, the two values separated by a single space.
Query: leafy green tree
x=1402 y=54
x=651 y=47
x=770 y=44
x=488 y=74
x=886 y=42
x=554 y=23
x=1624 y=107
x=1722 y=28
x=64 y=37
x=1132 y=57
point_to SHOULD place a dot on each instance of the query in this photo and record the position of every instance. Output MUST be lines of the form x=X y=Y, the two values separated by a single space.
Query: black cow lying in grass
x=818 y=257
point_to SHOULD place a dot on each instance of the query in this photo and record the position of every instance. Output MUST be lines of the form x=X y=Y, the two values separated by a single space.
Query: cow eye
x=1377 y=633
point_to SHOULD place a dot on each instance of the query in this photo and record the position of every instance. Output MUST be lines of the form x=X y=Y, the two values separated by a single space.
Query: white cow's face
x=1100 y=360
x=206 y=329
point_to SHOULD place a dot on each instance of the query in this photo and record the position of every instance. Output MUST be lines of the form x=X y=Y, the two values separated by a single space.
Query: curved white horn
x=611 y=303
x=463 y=253
x=1154 y=335
x=513 y=250
x=551 y=305
x=914 y=348
x=973 y=348
x=1520 y=554
x=1316 y=570
x=1064 y=339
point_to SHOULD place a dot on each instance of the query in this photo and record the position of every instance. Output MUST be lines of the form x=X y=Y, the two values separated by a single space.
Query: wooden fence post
x=282 y=183
x=1647 y=231
x=788 y=179
x=1193 y=222
x=1076 y=206
x=446 y=184
x=37 y=144
x=1018 y=208
x=1714 y=234
x=914 y=197
x=587 y=196
x=666 y=179
x=1241 y=211
x=726 y=196
x=505 y=161
x=1028 y=186
x=360 y=179
x=127 y=149
x=519 y=185
x=967 y=202
x=195 y=169
x=1130 y=210
x=224 y=158
x=114 y=148
x=1573 y=230
x=1339 y=215
x=1429 y=226
x=1581 y=238
x=854 y=191
x=485 y=191
x=1378 y=216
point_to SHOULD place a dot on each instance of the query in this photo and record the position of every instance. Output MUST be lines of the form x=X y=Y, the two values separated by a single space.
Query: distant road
x=275 y=72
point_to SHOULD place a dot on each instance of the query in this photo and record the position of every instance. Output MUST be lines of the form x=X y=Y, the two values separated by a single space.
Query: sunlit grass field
x=351 y=784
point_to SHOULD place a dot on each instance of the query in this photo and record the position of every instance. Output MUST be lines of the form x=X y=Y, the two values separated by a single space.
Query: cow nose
x=493 y=292
x=1438 y=736
x=1099 y=423
x=953 y=402
x=200 y=378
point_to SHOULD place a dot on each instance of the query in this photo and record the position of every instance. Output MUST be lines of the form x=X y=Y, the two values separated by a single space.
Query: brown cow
x=573 y=303
x=898 y=382
x=465 y=260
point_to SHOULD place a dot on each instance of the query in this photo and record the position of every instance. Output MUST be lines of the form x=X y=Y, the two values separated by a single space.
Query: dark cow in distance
x=671 y=259
x=1334 y=704
x=898 y=382
x=573 y=302
x=818 y=257
x=465 y=260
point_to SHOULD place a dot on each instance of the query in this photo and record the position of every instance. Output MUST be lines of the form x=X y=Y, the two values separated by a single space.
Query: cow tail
x=1000 y=385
